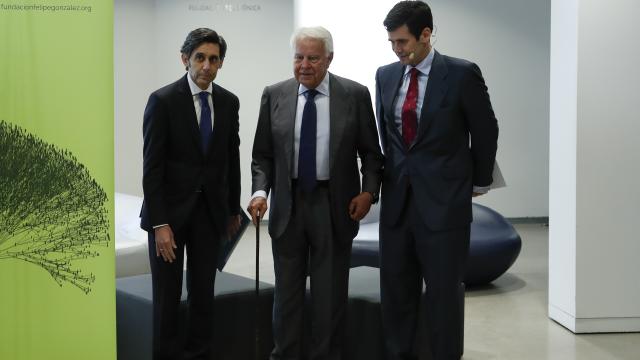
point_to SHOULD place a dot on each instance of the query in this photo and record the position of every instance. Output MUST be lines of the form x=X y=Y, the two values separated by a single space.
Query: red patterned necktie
x=409 y=115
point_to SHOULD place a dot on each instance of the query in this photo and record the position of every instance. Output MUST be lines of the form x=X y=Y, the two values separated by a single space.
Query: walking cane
x=257 y=321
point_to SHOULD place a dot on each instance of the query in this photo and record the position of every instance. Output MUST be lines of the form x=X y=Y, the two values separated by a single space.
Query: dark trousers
x=310 y=243
x=201 y=241
x=410 y=253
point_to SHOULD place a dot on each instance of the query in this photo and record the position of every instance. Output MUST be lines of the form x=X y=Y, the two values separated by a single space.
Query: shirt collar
x=195 y=89
x=423 y=66
x=322 y=88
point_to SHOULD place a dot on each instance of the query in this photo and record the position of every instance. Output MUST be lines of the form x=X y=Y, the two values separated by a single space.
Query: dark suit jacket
x=442 y=165
x=352 y=133
x=175 y=166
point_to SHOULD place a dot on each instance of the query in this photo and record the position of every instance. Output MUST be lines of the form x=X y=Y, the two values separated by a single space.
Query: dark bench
x=235 y=317
x=234 y=312
x=494 y=247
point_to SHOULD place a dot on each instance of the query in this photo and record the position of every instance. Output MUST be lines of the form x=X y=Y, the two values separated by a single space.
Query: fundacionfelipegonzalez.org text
x=46 y=8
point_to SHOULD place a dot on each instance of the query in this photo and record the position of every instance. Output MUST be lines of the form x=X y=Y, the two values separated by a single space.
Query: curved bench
x=132 y=254
x=495 y=245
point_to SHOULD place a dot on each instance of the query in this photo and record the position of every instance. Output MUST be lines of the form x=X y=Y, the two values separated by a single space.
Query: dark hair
x=200 y=36
x=415 y=14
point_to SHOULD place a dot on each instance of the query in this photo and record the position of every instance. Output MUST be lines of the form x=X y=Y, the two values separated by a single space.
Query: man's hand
x=165 y=243
x=257 y=207
x=360 y=205
x=234 y=225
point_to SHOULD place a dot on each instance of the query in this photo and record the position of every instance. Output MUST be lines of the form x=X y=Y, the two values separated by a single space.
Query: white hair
x=314 y=32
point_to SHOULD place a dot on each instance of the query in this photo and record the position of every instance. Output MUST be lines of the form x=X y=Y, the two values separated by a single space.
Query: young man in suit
x=439 y=135
x=311 y=130
x=191 y=183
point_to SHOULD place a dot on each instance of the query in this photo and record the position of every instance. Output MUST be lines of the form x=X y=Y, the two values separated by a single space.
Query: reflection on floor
x=504 y=320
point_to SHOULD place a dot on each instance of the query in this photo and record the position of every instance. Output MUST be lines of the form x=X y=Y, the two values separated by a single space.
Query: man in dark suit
x=439 y=135
x=311 y=130
x=191 y=183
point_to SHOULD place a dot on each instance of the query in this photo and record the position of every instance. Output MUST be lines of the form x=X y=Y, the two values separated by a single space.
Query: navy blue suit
x=195 y=192
x=426 y=200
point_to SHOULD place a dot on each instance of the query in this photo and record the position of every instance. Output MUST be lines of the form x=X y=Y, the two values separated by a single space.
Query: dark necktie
x=307 y=145
x=409 y=108
x=205 y=120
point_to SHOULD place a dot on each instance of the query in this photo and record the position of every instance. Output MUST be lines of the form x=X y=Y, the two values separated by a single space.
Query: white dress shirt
x=195 y=92
x=424 y=68
x=322 y=129
x=322 y=132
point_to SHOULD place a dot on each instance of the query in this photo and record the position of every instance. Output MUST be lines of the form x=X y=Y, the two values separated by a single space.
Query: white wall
x=147 y=40
x=562 y=162
x=593 y=236
x=608 y=148
x=508 y=39
x=135 y=72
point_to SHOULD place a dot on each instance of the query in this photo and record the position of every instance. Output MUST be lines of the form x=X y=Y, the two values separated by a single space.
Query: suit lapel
x=284 y=119
x=433 y=95
x=186 y=103
x=219 y=108
x=339 y=114
x=391 y=88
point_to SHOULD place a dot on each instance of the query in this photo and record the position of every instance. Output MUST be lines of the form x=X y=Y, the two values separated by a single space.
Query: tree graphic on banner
x=52 y=212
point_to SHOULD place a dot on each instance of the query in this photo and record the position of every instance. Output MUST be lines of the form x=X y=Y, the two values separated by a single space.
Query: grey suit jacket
x=352 y=133
x=454 y=149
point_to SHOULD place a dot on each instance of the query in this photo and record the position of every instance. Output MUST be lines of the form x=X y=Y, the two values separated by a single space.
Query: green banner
x=57 y=297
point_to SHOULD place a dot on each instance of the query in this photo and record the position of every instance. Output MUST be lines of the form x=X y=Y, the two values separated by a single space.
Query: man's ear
x=425 y=36
x=185 y=61
x=330 y=57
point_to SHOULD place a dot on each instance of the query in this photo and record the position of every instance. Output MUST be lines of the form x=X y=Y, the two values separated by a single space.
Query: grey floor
x=504 y=320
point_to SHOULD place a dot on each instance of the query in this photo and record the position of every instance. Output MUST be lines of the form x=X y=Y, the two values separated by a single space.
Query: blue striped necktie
x=307 y=145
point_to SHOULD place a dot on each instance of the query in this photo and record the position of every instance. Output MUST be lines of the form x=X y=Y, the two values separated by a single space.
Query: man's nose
x=305 y=62
x=206 y=65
